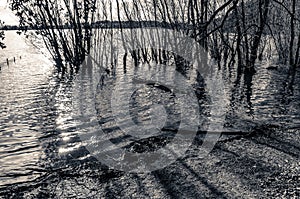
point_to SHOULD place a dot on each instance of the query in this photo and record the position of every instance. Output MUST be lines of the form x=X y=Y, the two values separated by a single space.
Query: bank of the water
x=41 y=154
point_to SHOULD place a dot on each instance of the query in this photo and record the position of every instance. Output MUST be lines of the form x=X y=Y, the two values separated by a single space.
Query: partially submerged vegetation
x=68 y=46
x=234 y=31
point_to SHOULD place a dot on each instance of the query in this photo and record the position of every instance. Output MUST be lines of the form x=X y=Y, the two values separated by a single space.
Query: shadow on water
x=65 y=167
x=63 y=155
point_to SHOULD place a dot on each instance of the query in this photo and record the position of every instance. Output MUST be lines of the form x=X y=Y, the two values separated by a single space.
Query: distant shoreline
x=106 y=25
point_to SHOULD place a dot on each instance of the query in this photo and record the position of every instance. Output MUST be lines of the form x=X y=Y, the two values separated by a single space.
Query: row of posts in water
x=9 y=61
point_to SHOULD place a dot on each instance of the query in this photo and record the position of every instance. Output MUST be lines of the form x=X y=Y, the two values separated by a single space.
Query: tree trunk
x=264 y=9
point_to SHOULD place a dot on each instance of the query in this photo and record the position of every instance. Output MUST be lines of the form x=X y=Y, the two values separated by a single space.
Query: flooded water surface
x=43 y=120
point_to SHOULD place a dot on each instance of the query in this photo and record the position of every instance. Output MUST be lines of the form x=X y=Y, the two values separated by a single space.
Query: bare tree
x=64 y=24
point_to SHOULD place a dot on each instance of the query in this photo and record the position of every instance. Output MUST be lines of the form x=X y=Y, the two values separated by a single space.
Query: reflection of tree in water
x=240 y=41
x=237 y=34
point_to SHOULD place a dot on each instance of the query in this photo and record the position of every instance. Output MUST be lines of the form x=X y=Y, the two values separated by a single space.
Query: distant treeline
x=107 y=25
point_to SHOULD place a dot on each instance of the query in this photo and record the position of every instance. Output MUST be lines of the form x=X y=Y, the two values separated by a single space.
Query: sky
x=6 y=15
x=3 y=3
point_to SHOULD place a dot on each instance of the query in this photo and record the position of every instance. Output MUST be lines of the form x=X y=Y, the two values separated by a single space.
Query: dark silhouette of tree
x=232 y=31
x=64 y=24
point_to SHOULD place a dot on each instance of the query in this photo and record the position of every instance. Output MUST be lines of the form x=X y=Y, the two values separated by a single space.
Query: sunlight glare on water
x=22 y=109
x=39 y=127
